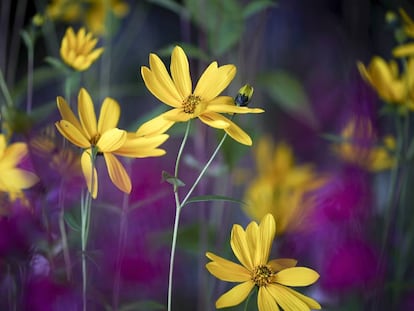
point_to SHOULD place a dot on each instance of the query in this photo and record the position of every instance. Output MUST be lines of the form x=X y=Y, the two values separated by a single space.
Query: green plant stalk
x=85 y=225
x=62 y=228
x=177 y=216
x=30 y=59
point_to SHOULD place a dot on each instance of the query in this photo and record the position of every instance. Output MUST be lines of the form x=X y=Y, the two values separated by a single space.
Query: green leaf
x=257 y=6
x=144 y=305
x=289 y=94
x=27 y=39
x=172 y=179
x=58 y=64
x=72 y=222
x=204 y=198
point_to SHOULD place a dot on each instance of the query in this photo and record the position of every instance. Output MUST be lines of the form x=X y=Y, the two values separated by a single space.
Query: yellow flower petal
x=403 y=50
x=235 y=295
x=177 y=115
x=87 y=114
x=67 y=113
x=86 y=164
x=226 y=270
x=180 y=72
x=238 y=242
x=252 y=236
x=215 y=120
x=109 y=115
x=140 y=147
x=3 y=144
x=15 y=179
x=71 y=133
x=312 y=303
x=117 y=173
x=286 y=299
x=265 y=300
x=296 y=276
x=267 y=231
x=111 y=140
x=282 y=263
x=225 y=104
x=155 y=126
x=214 y=80
x=12 y=155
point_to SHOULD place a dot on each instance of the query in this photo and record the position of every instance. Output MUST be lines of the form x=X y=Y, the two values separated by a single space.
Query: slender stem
x=63 y=234
x=85 y=225
x=30 y=57
x=177 y=216
x=204 y=170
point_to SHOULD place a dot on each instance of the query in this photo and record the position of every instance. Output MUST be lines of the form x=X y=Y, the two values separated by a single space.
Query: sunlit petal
x=238 y=134
x=239 y=245
x=267 y=231
x=13 y=154
x=87 y=114
x=312 y=303
x=155 y=126
x=109 y=115
x=235 y=295
x=286 y=299
x=139 y=147
x=177 y=115
x=226 y=270
x=67 y=113
x=111 y=140
x=296 y=276
x=215 y=120
x=265 y=301
x=71 y=133
x=180 y=72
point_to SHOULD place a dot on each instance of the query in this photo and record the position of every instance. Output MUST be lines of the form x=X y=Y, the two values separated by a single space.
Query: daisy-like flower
x=272 y=278
x=203 y=103
x=103 y=137
x=77 y=50
x=13 y=179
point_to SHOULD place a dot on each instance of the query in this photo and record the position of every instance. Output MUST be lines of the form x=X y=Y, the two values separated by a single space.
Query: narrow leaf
x=204 y=198
x=172 y=179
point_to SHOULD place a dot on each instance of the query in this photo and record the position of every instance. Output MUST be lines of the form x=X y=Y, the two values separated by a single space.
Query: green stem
x=177 y=216
x=30 y=58
x=85 y=225
x=63 y=234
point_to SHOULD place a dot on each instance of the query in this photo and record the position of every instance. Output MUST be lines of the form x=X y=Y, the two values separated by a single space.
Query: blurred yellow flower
x=408 y=23
x=252 y=248
x=77 y=50
x=360 y=146
x=105 y=138
x=281 y=187
x=92 y=13
x=203 y=103
x=13 y=179
x=391 y=86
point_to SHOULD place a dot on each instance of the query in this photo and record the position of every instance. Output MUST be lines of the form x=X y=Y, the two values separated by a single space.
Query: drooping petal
x=286 y=299
x=13 y=154
x=214 y=119
x=160 y=91
x=180 y=72
x=235 y=295
x=296 y=276
x=87 y=114
x=238 y=134
x=86 y=163
x=239 y=245
x=312 y=303
x=117 y=173
x=71 y=133
x=67 y=113
x=227 y=270
x=265 y=301
x=15 y=179
x=109 y=115
x=214 y=80
x=155 y=126
x=267 y=231
x=282 y=263
x=111 y=140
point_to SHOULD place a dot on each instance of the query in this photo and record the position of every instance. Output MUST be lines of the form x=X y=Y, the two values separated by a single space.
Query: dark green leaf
x=172 y=179
x=289 y=94
x=204 y=198
x=72 y=222
x=257 y=6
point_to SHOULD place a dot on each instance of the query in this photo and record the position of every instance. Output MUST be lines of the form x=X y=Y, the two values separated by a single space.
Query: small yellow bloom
x=272 y=278
x=13 y=179
x=408 y=23
x=360 y=146
x=104 y=137
x=77 y=50
x=203 y=103
x=385 y=78
x=281 y=187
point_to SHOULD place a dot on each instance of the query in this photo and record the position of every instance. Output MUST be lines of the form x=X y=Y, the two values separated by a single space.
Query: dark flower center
x=190 y=104
x=262 y=275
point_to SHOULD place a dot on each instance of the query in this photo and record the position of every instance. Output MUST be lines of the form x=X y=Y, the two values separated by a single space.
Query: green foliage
x=207 y=198
x=176 y=182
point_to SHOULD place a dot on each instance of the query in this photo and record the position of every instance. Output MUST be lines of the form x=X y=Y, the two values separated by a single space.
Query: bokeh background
x=300 y=57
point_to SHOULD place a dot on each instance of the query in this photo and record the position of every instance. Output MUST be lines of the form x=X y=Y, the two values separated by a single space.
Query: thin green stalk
x=62 y=228
x=177 y=216
x=85 y=225
x=5 y=91
x=30 y=59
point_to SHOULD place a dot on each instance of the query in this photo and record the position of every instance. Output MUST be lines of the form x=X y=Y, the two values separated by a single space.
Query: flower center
x=191 y=103
x=262 y=275
x=94 y=139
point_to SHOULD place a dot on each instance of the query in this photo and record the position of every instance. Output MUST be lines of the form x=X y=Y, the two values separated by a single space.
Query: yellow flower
x=408 y=23
x=203 y=103
x=360 y=146
x=272 y=278
x=281 y=187
x=385 y=79
x=13 y=179
x=105 y=138
x=93 y=13
x=77 y=50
